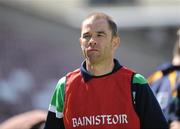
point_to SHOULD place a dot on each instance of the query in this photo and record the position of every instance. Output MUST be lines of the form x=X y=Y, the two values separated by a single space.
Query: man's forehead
x=93 y=21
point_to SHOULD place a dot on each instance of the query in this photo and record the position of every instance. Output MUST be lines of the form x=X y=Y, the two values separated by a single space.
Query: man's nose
x=92 y=42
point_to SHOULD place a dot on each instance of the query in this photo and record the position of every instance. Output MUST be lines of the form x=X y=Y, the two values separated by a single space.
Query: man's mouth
x=92 y=49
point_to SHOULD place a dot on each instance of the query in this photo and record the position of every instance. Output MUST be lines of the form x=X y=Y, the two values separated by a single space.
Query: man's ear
x=81 y=44
x=80 y=41
x=116 y=42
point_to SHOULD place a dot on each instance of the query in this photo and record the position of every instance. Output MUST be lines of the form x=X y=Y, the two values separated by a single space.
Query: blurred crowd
x=34 y=119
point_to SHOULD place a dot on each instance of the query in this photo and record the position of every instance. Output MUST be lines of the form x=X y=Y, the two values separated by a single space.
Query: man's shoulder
x=74 y=75
x=75 y=72
x=128 y=70
x=63 y=79
x=139 y=79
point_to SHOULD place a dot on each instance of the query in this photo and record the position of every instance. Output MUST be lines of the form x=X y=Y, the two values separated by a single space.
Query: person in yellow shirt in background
x=165 y=83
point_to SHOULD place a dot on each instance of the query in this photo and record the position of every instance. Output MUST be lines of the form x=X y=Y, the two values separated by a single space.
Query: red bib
x=102 y=102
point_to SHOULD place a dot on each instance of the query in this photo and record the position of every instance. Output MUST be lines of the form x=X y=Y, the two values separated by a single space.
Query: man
x=102 y=94
x=165 y=83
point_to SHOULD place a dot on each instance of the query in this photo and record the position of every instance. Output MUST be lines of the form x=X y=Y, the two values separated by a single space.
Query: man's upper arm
x=56 y=107
x=147 y=107
x=57 y=102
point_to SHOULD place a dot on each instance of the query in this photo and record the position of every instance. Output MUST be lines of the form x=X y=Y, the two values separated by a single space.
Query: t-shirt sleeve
x=146 y=106
x=56 y=107
x=57 y=102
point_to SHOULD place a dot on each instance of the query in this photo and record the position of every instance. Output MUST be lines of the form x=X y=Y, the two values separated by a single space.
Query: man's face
x=96 y=40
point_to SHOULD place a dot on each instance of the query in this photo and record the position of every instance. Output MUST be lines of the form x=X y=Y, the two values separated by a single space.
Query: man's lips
x=92 y=49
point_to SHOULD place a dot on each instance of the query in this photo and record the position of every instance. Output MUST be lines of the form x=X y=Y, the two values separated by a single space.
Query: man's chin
x=93 y=60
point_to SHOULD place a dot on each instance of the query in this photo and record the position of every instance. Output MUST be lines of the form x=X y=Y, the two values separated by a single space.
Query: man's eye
x=86 y=36
x=100 y=35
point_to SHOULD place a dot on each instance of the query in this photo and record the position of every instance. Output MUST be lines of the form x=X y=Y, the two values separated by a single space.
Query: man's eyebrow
x=85 y=33
x=101 y=32
x=98 y=32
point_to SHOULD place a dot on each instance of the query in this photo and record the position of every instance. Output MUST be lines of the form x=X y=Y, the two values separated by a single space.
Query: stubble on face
x=103 y=46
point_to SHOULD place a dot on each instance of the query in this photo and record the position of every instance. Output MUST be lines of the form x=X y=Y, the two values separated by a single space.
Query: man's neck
x=99 y=69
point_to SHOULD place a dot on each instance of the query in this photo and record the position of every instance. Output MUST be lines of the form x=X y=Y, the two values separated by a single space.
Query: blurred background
x=39 y=43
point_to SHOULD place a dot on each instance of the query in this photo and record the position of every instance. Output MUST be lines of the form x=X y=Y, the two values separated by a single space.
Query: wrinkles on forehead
x=93 y=19
x=92 y=23
x=97 y=16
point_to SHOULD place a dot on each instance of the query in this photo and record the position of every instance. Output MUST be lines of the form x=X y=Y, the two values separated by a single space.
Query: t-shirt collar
x=87 y=76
